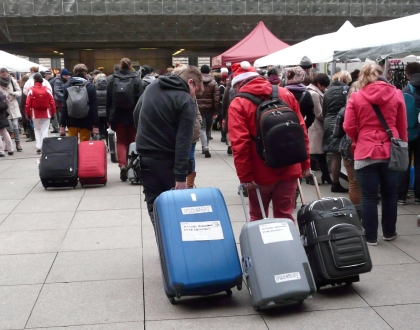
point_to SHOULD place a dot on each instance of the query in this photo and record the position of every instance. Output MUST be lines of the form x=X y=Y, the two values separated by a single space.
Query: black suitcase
x=112 y=145
x=58 y=164
x=334 y=240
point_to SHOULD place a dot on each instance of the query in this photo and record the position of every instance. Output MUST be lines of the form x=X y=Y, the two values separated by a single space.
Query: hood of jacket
x=415 y=80
x=378 y=92
x=173 y=82
x=102 y=83
x=77 y=80
x=258 y=86
x=149 y=78
x=207 y=78
x=312 y=87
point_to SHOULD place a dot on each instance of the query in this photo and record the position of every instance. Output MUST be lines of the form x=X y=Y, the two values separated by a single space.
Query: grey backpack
x=78 y=101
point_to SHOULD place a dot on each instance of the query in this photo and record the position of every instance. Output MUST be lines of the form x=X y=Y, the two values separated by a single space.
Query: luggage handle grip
x=242 y=185
x=246 y=264
x=318 y=192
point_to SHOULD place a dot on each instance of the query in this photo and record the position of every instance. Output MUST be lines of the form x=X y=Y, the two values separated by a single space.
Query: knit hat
x=242 y=71
x=205 y=69
x=224 y=76
x=65 y=72
x=145 y=69
x=295 y=75
x=224 y=70
x=305 y=63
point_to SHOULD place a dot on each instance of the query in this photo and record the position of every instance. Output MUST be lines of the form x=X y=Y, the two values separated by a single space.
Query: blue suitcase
x=196 y=243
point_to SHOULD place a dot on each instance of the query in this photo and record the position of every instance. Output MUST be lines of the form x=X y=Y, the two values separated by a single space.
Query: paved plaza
x=86 y=258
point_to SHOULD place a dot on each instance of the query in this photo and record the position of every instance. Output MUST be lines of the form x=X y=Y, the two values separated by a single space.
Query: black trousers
x=157 y=176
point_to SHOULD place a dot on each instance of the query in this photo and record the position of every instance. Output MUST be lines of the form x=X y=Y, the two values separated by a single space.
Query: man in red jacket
x=276 y=184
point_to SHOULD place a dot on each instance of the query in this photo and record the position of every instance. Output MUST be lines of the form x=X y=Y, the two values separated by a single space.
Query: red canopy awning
x=260 y=42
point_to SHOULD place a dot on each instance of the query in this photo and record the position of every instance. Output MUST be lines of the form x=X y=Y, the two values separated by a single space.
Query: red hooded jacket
x=242 y=125
x=363 y=126
x=47 y=112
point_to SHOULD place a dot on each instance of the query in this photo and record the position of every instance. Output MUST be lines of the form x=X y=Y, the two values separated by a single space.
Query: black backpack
x=280 y=139
x=3 y=102
x=123 y=93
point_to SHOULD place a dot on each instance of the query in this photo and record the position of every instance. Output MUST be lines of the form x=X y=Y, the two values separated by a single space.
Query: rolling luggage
x=334 y=240
x=133 y=168
x=92 y=162
x=196 y=244
x=58 y=163
x=112 y=145
x=274 y=261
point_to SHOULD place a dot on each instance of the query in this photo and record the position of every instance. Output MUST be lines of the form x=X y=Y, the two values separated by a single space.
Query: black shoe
x=229 y=150
x=2 y=155
x=123 y=173
x=326 y=179
x=223 y=139
x=207 y=153
x=10 y=153
x=310 y=180
x=338 y=188
x=55 y=131
x=38 y=151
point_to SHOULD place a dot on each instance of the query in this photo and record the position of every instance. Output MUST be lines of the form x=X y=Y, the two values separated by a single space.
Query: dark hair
x=322 y=79
x=79 y=69
x=125 y=63
x=38 y=78
x=412 y=67
x=116 y=67
x=145 y=69
x=290 y=74
x=272 y=71
x=307 y=80
x=355 y=75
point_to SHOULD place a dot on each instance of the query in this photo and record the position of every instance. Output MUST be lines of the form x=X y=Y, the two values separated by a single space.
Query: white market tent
x=17 y=64
x=396 y=37
x=319 y=49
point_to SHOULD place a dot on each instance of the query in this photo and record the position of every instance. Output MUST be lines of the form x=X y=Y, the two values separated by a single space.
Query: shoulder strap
x=382 y=120
x=250 y=97
x=275 y=92
x=412 y=89
x=13 y=85
x=301 y=98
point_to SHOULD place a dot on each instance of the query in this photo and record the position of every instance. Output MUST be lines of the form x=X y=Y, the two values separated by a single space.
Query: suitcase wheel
x=104 y=184
x=178 y=295
x=239 y=287
x=172 y=300
x=229 y=292
x=257 y=309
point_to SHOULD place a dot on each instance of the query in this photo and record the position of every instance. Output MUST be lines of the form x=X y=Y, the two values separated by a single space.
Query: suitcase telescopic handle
x=257 y=189
x=318 y=192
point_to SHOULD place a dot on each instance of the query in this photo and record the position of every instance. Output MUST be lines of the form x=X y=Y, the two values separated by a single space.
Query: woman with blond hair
x=373 y=147
x=334 y=99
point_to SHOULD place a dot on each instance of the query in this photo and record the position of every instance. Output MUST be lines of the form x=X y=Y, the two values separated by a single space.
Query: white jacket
x=11 y=97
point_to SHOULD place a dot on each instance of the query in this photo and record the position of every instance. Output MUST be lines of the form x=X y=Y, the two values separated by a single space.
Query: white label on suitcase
x=287 y=277
x=196 y=209
x=275 y=232
x=193 y=197
x=201 y=231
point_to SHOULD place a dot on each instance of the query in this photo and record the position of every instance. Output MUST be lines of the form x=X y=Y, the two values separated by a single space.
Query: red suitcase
x=92 y=163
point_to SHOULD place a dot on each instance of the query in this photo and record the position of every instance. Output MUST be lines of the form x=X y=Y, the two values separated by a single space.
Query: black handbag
x=338 y=131
x=399 y=159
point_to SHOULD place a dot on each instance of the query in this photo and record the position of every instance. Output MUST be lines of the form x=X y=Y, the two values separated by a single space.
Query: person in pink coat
x=372 y=148
x=40 y=107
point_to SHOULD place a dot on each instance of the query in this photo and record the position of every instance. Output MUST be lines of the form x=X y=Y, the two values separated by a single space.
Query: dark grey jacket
x=101 y=87
x=59 y=85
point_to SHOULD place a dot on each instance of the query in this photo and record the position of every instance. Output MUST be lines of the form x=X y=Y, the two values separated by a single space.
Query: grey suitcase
x=112 y=145
x=133 y=176
x=274 y=261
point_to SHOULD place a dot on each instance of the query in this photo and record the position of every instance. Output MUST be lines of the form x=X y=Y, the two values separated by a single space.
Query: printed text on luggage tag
x=287 y=277
x=196 y=209
x=201 y=231
x=275 y=232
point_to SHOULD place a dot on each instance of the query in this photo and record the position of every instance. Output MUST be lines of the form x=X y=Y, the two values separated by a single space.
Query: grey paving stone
x=103 y=326
x=253 y=322
x=7 y=206
x=50 y=204
x=22 y=169
x=25 y=268
x=113 y=188
x=37 y=221
x=409 y=245
x=390 y=285
x=40 y=192
x=386 y=253
x=79 y=303
x=16 y=303
x=16 y=188
x=401 y=317
x=6 y=163
x=407 y=224
x=110 y=218
x=102 y=238
x=236 y=212
x=96 y=265
x=109 y=203
x=2 y=217
x=345 y=319
x=20 y=242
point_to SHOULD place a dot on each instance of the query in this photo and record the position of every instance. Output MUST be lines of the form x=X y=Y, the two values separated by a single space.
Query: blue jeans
x=413 y=149
x=370 y=177
x=192 y=156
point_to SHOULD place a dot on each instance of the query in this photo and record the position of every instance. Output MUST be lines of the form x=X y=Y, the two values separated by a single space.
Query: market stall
x=17 y=64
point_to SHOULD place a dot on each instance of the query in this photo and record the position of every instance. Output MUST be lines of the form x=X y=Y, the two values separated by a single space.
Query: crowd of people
x=167 y=115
